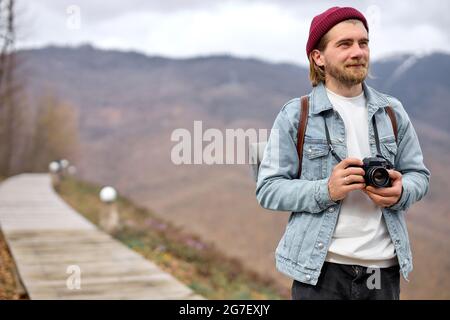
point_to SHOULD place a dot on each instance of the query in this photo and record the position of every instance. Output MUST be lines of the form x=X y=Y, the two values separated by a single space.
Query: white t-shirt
x=361 y=236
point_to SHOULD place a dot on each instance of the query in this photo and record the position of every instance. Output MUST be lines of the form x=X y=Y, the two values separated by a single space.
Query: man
x=345 y=238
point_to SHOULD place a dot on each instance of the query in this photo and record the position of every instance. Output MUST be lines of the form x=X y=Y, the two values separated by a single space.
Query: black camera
x=376 y=172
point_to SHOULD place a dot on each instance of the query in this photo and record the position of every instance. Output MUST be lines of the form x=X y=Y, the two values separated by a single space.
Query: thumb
x=394 y=174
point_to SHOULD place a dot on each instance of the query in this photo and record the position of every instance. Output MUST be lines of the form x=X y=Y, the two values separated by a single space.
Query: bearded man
x=360 y=168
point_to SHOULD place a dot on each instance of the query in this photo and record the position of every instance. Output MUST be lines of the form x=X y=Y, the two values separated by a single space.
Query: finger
x=378 y=191
x=385 y=192
x=353 y=170
x=376 y=198
x=353 y=179
x=348 y=162
x=382 y=201
x=394 y=175
x=379 y=196
x=354 y=186
x=397 y=183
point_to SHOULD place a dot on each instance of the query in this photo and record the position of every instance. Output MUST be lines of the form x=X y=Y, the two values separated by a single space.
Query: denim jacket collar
x=319 y=99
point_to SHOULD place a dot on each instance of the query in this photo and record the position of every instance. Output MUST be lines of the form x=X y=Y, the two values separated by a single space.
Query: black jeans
x=350 y=282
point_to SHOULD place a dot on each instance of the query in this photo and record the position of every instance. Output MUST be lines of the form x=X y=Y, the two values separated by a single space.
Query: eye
x=364 y=43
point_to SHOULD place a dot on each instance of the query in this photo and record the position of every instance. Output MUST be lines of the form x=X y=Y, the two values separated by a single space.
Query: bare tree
x=6 y=37
x=7 y=85
x=28 y=142
x=55 y=134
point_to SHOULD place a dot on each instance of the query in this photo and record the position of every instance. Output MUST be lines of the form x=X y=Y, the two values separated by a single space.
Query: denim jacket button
x=320 y=245
x=331 y=209
x=308 y=277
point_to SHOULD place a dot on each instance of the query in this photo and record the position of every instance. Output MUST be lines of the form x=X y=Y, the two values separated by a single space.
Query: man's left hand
x=386 y=197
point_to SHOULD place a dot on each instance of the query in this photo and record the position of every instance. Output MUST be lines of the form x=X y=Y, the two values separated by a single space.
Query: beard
x=348 y=76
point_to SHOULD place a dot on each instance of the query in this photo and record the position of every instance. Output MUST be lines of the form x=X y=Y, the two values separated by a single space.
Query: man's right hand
x=344 y=179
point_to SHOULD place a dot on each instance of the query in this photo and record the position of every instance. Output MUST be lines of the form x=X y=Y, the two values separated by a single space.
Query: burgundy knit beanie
x=323 y=22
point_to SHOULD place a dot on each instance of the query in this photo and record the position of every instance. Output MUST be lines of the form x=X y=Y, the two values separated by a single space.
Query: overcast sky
x=271 y=30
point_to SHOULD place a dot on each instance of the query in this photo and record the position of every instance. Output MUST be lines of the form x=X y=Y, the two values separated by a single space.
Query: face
x=346 y=56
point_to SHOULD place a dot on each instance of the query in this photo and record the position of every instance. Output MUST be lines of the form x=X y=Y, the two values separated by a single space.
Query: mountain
x=421 y=82
x=129 y=104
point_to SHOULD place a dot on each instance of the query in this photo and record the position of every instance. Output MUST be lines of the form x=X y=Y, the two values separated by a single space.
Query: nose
x=357 y=52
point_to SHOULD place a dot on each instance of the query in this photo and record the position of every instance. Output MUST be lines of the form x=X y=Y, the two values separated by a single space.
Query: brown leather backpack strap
x=304 y=111
x=391 y=115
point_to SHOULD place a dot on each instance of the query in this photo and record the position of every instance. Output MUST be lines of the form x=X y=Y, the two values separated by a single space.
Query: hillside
x=129 y=104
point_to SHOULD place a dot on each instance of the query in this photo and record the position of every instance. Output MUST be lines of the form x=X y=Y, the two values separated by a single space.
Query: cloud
x=271 y=30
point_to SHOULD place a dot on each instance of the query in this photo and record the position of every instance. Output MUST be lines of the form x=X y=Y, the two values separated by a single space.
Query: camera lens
x=379 y=177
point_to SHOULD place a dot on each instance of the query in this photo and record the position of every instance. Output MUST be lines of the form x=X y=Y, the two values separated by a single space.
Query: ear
x=317 y=57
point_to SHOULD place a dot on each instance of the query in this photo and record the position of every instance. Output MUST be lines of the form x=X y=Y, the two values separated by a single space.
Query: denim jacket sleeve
x=409 y=162
x=278 y=187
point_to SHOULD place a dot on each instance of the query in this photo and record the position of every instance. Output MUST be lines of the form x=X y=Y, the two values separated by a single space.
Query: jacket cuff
x=401 y=201
x=322 y=195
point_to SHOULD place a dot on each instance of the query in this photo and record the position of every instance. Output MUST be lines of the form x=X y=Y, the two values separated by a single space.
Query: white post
x=54 y=169
x=64 y=164
x=109 y=217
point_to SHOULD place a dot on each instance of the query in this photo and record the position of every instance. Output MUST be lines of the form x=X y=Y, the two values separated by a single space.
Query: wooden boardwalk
x=61 y=255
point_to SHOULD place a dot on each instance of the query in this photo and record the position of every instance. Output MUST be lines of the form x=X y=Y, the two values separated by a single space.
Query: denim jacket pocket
x=314 y=160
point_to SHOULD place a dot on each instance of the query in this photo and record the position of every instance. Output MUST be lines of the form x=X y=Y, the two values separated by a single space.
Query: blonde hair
x=317 y=73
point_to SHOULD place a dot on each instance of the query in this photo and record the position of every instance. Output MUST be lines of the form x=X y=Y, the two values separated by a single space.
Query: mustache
x=361 y=63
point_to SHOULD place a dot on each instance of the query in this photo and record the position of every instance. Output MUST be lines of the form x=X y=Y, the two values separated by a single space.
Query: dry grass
x=9 y=286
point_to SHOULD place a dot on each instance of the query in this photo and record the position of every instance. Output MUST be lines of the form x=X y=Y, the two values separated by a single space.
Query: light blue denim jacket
x=301 y=251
